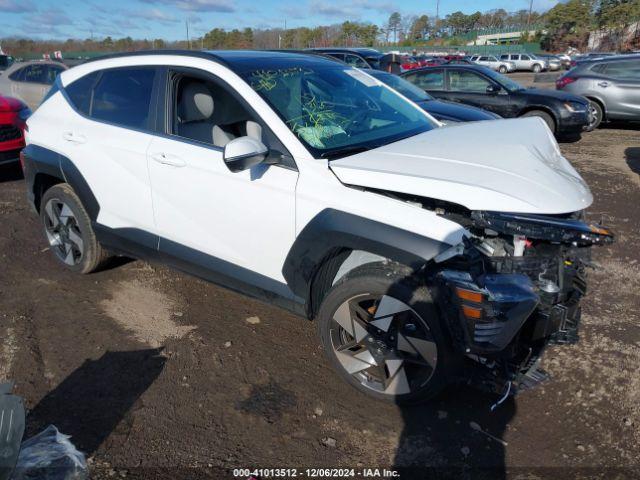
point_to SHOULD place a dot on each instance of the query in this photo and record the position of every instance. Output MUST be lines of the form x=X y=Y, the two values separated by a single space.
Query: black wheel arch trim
x=333 y=231
x=40 y=160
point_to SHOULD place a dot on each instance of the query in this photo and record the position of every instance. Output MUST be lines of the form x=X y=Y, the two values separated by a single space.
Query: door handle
x=603 y=84
x=168 y=159
x=74 y=138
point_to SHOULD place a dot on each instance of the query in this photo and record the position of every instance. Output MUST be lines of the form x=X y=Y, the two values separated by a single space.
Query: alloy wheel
x=63 y=232
x=594 y=118
x=384 y=344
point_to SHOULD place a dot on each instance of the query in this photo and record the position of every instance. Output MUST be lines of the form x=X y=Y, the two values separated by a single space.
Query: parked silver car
x=30 y=81
x=553 y=61
x=611 y=84
x=494 y=64
x=526 y=61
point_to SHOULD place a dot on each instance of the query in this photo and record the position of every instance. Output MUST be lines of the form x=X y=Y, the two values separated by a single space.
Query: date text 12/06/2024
x=314 y=473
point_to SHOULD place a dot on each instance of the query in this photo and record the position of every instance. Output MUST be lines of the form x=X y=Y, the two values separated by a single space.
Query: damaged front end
x=513 y=287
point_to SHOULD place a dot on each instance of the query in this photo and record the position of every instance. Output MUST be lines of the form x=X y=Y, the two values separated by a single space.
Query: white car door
x=240 y=223
x=107 y=138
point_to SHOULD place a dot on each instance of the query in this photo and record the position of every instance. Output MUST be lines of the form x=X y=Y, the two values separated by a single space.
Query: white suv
x=494 y=64
x=526 y=62
x=309 y=184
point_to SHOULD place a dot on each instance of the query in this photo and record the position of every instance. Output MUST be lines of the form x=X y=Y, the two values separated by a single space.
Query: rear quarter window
x=17 y=75
x=80 y=92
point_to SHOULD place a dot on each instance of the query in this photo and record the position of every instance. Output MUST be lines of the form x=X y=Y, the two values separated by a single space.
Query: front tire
x=548 y=119
x=381 y=332
x=537 y=68
x=68 y=230
x=597 y=115
x=502 y=69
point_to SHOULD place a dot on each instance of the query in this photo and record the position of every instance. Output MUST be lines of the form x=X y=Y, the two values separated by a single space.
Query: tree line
x=567 y=24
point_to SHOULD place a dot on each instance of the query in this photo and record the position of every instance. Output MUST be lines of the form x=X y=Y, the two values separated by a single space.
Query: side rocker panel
x=332 y=230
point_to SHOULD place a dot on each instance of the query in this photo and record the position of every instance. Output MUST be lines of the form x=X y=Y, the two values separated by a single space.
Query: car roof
x=238 y=60
x=451 y=66
x=19 y=65
x=608 y=58
x=365 y=51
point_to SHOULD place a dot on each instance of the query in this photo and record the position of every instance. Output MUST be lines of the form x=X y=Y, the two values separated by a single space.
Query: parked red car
x=13 y=116
x=409 y=63
x=426 y=61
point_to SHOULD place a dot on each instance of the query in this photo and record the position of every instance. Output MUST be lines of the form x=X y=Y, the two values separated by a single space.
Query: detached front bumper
x=523 y=302
x=486 y=313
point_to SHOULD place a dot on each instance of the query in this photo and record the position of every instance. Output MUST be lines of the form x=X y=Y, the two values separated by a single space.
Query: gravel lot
x=159 y=375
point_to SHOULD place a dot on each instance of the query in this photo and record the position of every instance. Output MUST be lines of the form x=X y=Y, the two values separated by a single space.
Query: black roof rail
x=139 y=53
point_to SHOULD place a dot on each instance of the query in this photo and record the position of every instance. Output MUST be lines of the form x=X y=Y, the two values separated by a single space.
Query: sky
x=61 y=19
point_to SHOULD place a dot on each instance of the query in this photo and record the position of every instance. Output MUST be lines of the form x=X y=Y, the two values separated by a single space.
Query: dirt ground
x=156 y=374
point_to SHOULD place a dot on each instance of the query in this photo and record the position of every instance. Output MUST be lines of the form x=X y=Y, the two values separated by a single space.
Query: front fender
x=332 y=230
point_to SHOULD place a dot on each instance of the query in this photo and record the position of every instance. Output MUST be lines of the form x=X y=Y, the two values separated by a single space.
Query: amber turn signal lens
x=472 y=312
x=469 y=295
x=599 y=230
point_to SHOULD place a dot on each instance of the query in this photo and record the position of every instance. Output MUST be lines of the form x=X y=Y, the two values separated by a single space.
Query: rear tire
x=536 y=68
x=548 y=119
x=68 y=230
x=382 y=333
x=597 y=113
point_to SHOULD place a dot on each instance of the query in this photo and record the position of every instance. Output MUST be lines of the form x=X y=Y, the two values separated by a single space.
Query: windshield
x=406 y=88
x=335 y=111
x=505 y=81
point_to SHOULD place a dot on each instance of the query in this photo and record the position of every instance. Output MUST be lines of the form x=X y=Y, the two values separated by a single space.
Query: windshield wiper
x=345 y=151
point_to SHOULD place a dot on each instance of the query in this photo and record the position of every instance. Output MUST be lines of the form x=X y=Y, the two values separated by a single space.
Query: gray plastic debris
x=50 y=456
x=11 y=429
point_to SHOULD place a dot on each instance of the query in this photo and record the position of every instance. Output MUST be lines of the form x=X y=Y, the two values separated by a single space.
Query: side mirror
x=493 y=89
x=243 y=153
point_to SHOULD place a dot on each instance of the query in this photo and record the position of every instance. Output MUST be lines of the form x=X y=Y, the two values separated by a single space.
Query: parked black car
x=447 y=112
x=481 y=87
x=356 y=57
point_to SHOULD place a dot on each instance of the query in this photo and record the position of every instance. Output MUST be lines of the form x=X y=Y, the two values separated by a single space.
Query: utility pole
x=285 y=34
x=530 y=10
x=186 y=22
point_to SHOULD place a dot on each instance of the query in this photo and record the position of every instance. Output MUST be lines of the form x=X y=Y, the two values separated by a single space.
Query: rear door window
x=467 y=81
x=36 y=74
x=428 y=79
x=628 y=69
x=123 y=96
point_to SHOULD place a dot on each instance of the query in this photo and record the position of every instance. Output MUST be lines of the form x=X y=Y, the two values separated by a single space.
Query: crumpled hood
x=503 y=165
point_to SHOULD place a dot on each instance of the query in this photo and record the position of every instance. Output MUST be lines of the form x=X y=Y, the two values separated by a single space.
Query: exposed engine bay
x=512 y=287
